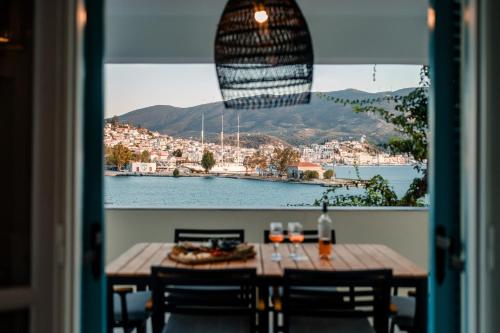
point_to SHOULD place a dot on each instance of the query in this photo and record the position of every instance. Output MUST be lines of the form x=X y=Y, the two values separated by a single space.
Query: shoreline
x=374 y=165
x=336 y=182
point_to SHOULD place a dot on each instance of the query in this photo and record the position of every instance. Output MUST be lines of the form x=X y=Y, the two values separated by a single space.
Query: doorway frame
x=51 y=296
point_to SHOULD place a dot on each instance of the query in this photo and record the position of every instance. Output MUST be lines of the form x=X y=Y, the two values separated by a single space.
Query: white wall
x=404 y=230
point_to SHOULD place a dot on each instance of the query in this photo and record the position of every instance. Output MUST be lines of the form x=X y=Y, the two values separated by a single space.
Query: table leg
x=422 y=300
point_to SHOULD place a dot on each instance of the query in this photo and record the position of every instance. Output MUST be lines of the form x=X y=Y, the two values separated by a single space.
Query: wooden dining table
x=133 y=267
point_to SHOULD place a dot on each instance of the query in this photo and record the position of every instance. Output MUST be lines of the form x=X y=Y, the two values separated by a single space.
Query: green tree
x=377 y=193
x=258 y=159
x=115 y=120
x=135 y=157
x=107 y=155
x=176 y=173
x=145 y=156
x=410 y=120
x=120 y=156
x=177 y=153
x=207 y=160
x=309 y=174
x=247 y=163
x=282 y=158
x=328 y=174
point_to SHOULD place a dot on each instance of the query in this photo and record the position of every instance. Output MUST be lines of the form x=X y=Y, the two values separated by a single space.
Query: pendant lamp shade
x=263 y=54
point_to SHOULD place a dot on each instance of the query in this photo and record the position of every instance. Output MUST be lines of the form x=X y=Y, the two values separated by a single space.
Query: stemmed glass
x=296 y=236
x=276 y=236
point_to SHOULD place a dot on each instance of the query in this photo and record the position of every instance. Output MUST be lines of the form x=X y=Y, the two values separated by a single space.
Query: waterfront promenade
x=334 y=182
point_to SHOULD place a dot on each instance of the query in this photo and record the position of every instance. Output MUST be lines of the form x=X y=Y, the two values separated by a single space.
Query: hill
x=303 y=124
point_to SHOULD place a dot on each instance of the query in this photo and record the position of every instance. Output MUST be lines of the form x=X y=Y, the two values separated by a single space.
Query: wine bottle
x=325 y=231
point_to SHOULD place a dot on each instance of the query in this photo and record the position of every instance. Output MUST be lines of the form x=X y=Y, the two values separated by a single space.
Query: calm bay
x=215 y=192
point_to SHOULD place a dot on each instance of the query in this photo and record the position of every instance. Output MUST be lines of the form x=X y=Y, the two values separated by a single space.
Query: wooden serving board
x=206 y=260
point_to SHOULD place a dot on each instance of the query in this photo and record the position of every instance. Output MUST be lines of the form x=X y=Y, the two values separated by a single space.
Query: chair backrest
x=224 y=292
x=203 y=235
x=348 y=294
x=310 y=236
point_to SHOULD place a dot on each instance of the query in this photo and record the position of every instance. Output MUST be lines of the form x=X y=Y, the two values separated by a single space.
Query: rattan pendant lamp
x=263 y=54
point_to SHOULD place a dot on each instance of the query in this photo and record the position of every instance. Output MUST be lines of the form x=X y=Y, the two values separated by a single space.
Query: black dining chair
x=403 y=311
x=130 y=310
x=346 y=308
x=198 y=300
x=203 y=235
x=310 y=236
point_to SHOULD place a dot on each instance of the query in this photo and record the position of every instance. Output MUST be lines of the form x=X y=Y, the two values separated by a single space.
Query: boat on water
x=229 y=168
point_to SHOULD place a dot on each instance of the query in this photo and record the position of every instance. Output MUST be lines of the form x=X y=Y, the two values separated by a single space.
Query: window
x=170 y=143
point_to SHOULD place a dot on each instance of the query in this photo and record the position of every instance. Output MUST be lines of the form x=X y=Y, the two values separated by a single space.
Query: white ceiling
x=343 y=31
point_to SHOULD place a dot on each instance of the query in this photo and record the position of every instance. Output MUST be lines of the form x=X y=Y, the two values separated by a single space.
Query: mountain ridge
x=302 y=124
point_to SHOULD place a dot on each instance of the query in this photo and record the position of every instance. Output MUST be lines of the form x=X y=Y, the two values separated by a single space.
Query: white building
x=142 y=167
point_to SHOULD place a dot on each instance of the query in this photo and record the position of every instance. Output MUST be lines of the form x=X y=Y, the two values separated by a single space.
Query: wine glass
x=296 y=236
x=276 y=236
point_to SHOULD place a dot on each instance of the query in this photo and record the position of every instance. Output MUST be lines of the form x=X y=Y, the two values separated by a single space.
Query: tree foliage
x=328 y=174
x=258 y=159
x=410 y=120
x=115 y=120
x=310 y=174
x=176 y=173
x=282 y=158
x=247 y=163
x=177 y=153
x=120 y=156
x=377 y=192
x=145 y=156
x=207 y=160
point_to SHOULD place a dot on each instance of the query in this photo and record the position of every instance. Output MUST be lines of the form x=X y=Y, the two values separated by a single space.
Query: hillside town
x=152 y=152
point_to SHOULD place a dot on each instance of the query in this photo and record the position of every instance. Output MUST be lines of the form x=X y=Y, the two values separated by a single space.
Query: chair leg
x=276 y=309
x=275 y=321
x=142 y=328
x=158 y=320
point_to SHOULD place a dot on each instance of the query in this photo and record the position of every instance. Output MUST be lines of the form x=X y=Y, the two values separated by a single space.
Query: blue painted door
x=93 y=305
x=445 y=270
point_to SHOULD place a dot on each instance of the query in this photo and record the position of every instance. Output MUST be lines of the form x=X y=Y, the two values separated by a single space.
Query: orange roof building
x=297 y=170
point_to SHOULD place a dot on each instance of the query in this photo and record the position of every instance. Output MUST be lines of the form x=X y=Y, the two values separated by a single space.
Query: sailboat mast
x=238 y=139
x=202 y=130
x=222 y=138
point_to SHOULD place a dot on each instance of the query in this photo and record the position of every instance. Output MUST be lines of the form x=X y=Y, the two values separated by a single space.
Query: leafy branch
x=409 y=119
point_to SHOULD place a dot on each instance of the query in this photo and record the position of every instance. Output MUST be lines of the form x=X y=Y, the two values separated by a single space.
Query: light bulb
x=261 y=16
x=431 y=18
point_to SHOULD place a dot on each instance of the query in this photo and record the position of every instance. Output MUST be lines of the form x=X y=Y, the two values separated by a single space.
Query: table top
x=136 y=262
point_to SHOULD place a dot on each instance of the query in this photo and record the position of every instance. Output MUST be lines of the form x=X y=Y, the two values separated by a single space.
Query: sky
x=132 y=86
